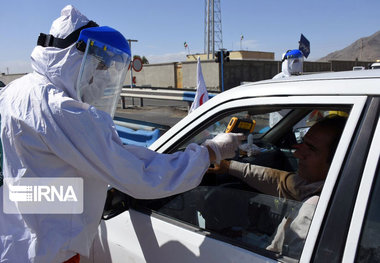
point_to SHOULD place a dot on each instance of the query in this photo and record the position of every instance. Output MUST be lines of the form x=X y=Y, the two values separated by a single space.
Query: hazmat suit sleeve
x=89 y=142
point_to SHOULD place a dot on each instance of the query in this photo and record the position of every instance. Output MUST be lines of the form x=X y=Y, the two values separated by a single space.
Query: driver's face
x=313 y=154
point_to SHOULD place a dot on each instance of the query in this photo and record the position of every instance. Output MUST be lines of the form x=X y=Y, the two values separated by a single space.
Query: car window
x=369 y=244
x=227 y=208
x=246 y=120
x=243 y=217
x=303 y=126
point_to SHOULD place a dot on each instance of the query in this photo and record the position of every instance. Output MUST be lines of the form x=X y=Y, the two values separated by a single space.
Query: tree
x=143 y=59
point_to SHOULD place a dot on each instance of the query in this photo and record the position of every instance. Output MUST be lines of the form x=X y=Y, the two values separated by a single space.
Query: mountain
x=363 y=49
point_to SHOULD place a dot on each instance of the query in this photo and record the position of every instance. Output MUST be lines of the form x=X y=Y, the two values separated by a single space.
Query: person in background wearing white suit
x=292 y=64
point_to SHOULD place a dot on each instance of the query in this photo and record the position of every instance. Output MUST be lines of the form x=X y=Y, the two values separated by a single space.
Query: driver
x=315 y=155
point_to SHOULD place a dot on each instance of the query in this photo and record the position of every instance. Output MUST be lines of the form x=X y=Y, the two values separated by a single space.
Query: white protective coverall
x=47 y=132
x=290 y=66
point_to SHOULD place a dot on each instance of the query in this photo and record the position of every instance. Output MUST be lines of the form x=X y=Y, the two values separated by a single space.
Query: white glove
x=224 y=145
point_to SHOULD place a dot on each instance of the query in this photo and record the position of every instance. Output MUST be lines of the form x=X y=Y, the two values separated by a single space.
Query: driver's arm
x=268 y=180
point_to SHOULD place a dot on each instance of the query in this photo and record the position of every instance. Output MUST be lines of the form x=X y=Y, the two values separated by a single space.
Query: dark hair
x=335 y=124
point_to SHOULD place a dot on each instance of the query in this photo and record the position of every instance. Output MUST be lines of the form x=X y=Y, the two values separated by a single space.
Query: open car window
x=243 y=121
x=226 y=208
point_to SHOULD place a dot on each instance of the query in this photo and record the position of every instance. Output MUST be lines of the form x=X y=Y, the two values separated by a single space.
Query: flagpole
x=187 y=47
x=201 y=94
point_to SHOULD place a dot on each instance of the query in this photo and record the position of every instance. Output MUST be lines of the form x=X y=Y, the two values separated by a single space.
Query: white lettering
x=59 y=194
x=43 y=190
x=51 y=193
x=70 y=195
x=35 y=193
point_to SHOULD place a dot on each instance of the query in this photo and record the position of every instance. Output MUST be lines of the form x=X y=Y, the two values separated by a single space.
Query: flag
x=304 y=46
x=185 y=44
x=201 y=95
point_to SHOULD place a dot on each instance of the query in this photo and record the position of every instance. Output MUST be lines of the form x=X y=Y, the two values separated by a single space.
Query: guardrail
x=138 y=132
x=159 y=94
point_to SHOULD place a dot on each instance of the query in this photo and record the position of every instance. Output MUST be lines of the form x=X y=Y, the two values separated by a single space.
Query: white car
x=358 y=68
x=224 y=220
x=375 y=65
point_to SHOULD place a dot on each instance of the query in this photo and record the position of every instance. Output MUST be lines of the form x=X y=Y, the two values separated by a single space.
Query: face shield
x=293 y=62
x=106 y=57
x=103 y=69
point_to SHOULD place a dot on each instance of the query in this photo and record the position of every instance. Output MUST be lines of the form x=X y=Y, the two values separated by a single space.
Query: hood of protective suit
x=61 y=66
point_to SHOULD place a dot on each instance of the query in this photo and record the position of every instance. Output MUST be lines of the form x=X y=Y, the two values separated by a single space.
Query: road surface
x=161 y=112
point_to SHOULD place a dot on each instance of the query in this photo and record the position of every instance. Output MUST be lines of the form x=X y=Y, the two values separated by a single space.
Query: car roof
x=363 y=82
x=358 y=83
x=329 y=76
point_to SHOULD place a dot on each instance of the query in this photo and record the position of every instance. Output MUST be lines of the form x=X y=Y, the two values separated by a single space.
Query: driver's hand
x=222 y=168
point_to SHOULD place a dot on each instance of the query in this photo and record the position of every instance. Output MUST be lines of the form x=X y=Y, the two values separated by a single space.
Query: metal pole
x=130 y=63
x=205 y=33
x=131 y=68
x=208 y=28
x=221 y=65
x=213 y=30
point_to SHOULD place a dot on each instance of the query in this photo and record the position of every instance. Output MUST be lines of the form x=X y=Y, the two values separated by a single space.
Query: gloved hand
x=224 y=145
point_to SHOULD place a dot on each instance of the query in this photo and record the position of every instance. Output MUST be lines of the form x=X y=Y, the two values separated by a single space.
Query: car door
x=219 y=221
x=329 y=243
x=363 y=240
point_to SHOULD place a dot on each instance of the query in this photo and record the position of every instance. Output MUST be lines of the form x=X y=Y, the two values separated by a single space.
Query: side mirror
x=300 y=132
x=116 y=203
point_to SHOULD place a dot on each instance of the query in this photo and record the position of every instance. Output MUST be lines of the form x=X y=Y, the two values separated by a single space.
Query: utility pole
x=131 y=69
x=130 y=63
x=222 y=56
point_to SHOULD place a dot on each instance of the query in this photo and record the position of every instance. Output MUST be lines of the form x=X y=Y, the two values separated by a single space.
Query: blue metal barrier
x=137 y=137
x=159 y=93
x=190 y=95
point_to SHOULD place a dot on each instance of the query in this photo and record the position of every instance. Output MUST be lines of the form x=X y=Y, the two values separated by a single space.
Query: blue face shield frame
x=106 y=36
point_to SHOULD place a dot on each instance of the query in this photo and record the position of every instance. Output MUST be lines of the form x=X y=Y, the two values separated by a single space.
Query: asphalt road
x=162 y=112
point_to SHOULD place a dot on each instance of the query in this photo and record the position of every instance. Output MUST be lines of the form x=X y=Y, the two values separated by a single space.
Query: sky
x=162 y=27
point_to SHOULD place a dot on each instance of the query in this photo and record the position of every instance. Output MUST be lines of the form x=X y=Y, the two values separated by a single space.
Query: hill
x=363 y=49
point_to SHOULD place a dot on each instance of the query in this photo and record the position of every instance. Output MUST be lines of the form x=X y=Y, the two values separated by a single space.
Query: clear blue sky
x=162 y=27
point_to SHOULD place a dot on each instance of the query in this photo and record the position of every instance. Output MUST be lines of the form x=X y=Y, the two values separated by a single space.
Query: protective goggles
x=48 y=40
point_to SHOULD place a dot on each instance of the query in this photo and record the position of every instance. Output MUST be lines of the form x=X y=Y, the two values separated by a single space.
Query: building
x=238 y=55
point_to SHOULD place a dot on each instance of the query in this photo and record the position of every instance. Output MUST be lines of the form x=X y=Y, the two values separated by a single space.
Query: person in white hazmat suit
x=57 y=122
x=292 y=64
